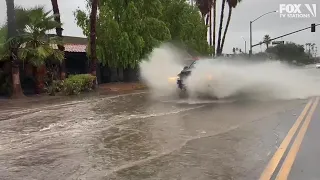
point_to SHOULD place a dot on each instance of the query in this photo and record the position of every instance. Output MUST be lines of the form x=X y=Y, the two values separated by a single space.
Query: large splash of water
x=225 y=78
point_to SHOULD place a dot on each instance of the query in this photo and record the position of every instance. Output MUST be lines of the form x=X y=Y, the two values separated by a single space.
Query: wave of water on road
x=230 y=78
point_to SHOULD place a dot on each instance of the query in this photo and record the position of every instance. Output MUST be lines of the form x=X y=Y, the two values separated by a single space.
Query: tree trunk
x=93 y=23
x=214 y=26
x=219 y=52
x=12 y=32
x=207 y=19
x=56 y=12
x=39 y=78
x=210 y=27
x=226 y=28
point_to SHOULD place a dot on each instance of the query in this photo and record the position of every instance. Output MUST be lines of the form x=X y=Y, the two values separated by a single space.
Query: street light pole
x=250 y=51
x=245 y=45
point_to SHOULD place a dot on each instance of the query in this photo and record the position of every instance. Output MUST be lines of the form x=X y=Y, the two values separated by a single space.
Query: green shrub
x=55 y=87
x=75 y=84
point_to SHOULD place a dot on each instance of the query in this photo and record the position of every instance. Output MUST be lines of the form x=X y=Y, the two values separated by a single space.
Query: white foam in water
x=230 y=78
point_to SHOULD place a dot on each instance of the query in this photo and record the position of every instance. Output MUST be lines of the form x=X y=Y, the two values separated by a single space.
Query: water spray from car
x=166 y=73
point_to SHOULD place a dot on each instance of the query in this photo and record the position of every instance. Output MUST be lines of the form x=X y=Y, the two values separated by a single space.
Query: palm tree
x=219 y=52
x=312 y=48
x=204 y=6
x=214 y=6
x=266 y=40
x=37 y=46
x=13 y=48
x=232 y=4
x=56 y=12
x=210 y=27
x=93 y=36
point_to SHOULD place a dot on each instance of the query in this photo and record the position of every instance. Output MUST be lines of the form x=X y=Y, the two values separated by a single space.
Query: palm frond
x=58 y=55
x=56 y=40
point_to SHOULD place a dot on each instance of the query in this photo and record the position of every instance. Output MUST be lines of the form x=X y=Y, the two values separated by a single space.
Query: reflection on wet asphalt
x=133 y=137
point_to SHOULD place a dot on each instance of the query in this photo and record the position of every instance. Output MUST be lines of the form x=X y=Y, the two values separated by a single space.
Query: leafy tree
x=186 y=26
x=290 y=52
x=126 y=31
x=3 y=36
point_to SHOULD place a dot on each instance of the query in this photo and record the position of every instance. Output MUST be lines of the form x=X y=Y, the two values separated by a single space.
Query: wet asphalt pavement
x=133 y=137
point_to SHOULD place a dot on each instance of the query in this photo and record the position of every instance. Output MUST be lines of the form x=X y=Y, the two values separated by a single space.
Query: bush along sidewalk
x=73 y=85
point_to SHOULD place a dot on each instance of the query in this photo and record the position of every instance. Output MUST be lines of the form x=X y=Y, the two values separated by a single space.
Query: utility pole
x=250 y=51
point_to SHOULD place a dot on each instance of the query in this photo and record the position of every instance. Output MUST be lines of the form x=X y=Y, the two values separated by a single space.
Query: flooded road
x=133 y=137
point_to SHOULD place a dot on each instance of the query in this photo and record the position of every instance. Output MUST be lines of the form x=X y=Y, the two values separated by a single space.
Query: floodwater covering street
x=134 y=137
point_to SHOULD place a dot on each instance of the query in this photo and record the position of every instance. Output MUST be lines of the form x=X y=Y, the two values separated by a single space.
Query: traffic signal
x=313 y=27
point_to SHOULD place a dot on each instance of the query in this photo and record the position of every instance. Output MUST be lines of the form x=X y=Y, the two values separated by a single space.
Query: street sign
x=277 y=42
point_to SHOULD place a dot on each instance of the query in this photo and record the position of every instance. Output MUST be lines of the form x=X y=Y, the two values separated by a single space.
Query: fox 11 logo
x=298 y=10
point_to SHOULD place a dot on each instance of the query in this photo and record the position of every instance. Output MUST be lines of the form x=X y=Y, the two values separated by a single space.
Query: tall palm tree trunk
x=55 y=8
x=226 y=28
x=214 y=26
x=210 y=27
x=12 y=32
x=219 y=52
x=93 y=50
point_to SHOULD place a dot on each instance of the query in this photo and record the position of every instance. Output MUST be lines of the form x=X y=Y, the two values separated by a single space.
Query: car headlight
x=173 y=79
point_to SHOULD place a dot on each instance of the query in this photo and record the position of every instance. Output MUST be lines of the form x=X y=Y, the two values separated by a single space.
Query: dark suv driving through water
x=185 y=74
x=182 y=76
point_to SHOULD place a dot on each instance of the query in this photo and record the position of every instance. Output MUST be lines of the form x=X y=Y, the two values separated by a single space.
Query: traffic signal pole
x=284 y=35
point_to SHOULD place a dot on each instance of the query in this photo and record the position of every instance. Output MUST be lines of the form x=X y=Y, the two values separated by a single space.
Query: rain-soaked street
x=133 y=137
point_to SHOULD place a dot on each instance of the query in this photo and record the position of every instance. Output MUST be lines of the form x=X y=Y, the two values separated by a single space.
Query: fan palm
x=34 y=45
x=266 y=40
x=37 y=46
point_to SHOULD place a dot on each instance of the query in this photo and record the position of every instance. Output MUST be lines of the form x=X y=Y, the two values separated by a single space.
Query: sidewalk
x=103 y=89
x=119 y=88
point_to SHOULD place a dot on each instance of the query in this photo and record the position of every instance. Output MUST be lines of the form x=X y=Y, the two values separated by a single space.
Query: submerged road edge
x=273 y=163
x=287 y=165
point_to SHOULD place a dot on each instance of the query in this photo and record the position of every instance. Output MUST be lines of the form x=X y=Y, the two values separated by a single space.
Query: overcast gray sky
x=247 y=10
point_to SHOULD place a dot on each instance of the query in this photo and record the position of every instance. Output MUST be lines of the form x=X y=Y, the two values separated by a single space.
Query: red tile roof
x=68 y=47
x=75 y=47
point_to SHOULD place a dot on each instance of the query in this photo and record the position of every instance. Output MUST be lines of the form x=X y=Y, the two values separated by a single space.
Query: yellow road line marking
x=273 y=163
x=287 y=165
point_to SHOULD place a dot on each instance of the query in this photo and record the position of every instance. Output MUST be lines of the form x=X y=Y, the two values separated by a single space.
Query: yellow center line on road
x=287 y=165
x=273 y=163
